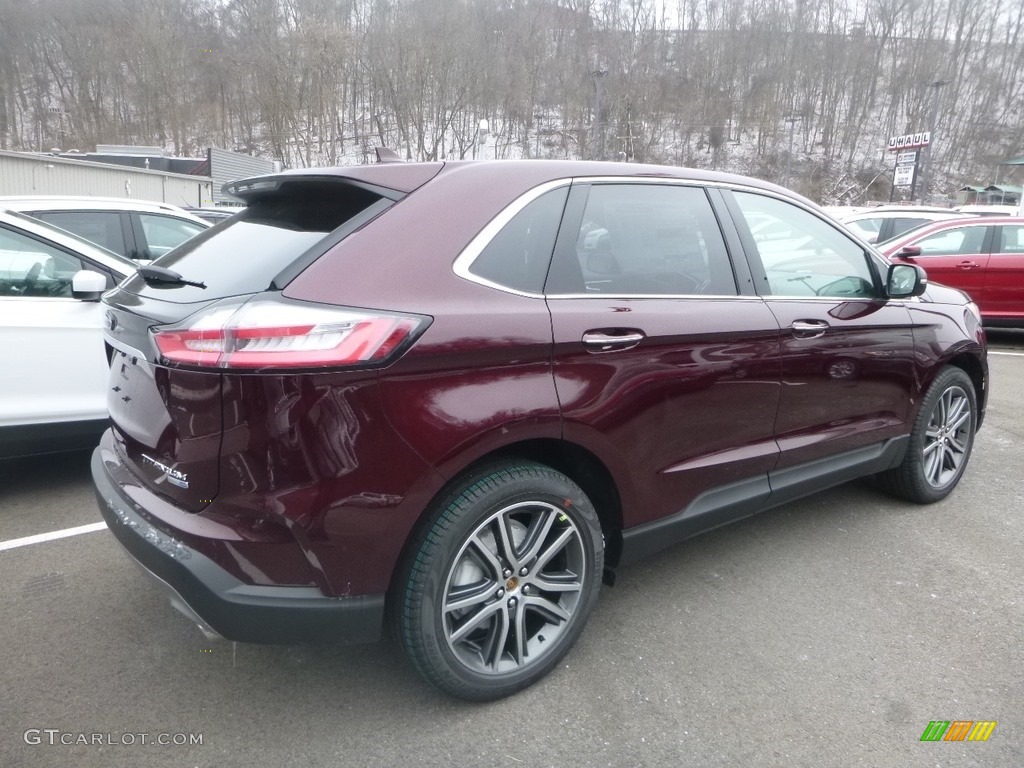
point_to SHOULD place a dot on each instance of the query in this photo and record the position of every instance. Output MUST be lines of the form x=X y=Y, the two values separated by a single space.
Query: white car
x=136 y=229
x=53 y=383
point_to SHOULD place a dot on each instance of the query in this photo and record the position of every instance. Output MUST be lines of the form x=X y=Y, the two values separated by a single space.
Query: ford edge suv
x=446 y=401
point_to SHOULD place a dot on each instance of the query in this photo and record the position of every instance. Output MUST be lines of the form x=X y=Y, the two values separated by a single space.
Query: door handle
x=968 y=264
x=809 y=329
x=603 y=341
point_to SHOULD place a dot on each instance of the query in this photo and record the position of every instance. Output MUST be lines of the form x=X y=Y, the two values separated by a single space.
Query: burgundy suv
x=450 y=399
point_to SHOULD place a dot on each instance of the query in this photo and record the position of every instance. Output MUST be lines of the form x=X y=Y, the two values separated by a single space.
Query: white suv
x=53 y=382
x=136 y=229
x=885 y=222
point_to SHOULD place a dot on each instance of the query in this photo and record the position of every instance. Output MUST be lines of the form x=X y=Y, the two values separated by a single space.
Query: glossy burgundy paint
x=990 y=270
x=846 y=388
x=690 y=408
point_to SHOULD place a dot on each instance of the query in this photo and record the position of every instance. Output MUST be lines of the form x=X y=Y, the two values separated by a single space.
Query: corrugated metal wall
x=28 y=174
x=228 y=166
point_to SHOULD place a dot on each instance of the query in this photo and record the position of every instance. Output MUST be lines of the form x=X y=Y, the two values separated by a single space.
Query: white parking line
x=1008 y=354
x=41 y=537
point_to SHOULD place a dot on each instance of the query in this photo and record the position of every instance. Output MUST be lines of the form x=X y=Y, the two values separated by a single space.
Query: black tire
x=516 y=624
x=940 y=442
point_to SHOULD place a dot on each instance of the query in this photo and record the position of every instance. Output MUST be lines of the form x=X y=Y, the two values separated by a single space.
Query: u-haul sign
x=909 y=141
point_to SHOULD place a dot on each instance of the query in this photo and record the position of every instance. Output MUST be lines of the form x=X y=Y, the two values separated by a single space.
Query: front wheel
x=502 y=583
x=940 y=443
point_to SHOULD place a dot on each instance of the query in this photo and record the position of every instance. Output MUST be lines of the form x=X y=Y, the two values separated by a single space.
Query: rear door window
x=1011 y=239
x=646 y=240
x=100 y=227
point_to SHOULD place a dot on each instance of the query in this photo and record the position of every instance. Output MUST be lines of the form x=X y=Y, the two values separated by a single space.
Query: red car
x=983 y=256
x=450 y=399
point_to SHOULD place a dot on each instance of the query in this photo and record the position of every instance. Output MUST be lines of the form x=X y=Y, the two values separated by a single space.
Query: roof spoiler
x=385 y=155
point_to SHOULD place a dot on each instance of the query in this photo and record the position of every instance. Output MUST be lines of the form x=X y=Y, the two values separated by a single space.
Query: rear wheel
x=941 y=441
x=502 y=583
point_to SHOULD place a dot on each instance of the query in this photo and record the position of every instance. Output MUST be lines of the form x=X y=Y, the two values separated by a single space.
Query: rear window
x=273 y=233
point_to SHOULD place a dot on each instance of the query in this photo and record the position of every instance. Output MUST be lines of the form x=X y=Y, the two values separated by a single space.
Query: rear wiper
x=153 y=274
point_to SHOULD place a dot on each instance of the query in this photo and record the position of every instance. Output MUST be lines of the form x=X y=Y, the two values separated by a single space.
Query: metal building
x=29 y=173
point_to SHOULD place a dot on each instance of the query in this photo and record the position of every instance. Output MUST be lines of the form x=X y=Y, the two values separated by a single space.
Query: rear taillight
x=276 y=333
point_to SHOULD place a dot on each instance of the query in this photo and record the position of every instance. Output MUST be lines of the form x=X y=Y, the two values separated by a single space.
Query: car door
x=663 y=367
x=956 y=256
x=57 y=368
x=847 y=352
x=1003 y=295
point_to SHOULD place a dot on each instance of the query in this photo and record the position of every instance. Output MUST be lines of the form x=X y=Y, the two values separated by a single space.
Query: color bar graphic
x=958 y=730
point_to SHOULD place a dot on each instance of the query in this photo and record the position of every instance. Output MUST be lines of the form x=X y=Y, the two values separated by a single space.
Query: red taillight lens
x=279 y=334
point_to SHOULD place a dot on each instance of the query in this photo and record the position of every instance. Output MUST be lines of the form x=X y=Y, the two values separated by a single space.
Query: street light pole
x=926 y=177
x=598 y=139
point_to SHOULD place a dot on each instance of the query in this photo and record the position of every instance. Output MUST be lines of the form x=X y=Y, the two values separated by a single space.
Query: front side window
x=29 y=268
x=648 y=240
x=810 y=257
x=953 y=242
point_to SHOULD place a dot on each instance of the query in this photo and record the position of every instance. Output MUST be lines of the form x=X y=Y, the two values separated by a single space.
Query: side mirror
x=905 y=281
x=908 y=252
x=88 y=286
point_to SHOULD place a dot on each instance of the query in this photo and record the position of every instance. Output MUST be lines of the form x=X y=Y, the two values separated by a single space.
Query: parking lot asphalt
x=827 y=633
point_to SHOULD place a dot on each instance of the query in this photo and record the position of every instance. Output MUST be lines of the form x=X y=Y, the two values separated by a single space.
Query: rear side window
x=277 y=229
x=518 y=256
x=100 y=227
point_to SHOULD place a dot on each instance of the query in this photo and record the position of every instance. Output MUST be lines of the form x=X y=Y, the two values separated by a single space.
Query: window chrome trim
x=483 y=238
x=617 y=296
x=463 y=262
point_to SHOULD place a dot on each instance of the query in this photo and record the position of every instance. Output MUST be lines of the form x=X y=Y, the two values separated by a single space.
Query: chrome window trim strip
x=464 y=260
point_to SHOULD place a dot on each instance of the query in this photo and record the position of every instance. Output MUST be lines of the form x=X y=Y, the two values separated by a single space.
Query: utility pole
x=792 y=120
x=598 y=138
x=926 y=177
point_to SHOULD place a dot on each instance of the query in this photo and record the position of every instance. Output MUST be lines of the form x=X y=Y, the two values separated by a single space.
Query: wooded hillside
x=730 y=84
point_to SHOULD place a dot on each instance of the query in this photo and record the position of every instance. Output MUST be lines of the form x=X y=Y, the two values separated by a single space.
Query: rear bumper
x=219 y=602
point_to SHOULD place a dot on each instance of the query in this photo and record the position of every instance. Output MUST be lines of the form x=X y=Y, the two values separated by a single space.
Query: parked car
x=53 y=381
x=886 y=222
x=991 y=210
x=450 y=398
x=136 y=229
x=983 y=257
